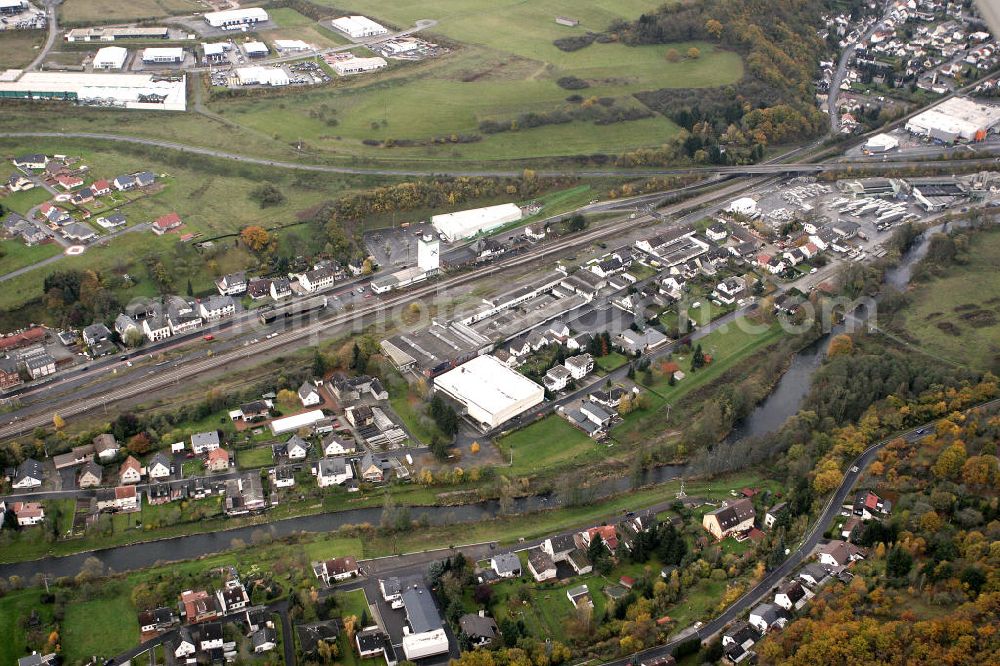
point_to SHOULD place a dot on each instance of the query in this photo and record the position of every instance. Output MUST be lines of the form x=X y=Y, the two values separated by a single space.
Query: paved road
x=838 y=76
x=53 y=20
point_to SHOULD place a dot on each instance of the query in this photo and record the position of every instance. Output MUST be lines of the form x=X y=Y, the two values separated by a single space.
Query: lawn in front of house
x=105 y=626
x=545 y=444
x=260 y=456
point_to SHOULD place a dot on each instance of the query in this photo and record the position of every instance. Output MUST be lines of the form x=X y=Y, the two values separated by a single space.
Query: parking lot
x=30 y=19
x=397 y=246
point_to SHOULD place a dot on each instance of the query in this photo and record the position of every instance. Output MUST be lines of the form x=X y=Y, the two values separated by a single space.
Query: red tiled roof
x=218 y=454
x=871 y=500
x=22 y=338
x=168 y=220
x=124 y=492
x=101 y=185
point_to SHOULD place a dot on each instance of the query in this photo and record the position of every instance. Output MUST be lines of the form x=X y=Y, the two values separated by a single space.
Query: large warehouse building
x=110 y=57
x=468 y=223
x=235 y=18
x=358 y=65
x=490 y=391
x=262 y=76
x=163 y=55
x=359 y=27
x=130 y=91
x=955 y=119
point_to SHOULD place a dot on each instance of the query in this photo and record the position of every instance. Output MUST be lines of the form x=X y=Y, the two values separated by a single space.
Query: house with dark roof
x=766 y=616
x=559 y=547
x=506 y=565
x=90 y=475
x=541 y=565
x=480 y=629
x=791 y=595
x=730 y=518
x=839 y=554
x=29 y=474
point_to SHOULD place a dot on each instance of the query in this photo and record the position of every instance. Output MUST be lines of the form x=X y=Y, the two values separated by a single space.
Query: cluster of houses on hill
x=61 y=173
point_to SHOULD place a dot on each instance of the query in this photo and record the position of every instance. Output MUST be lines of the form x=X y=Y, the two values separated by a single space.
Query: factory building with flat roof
x=111 y=34
x=358 y=65
x=110 y=57
x=359 y=27
x=489 y=390
x=231 y=18
x=956 y=119
x=467 y=223
x=163 y=56
x=129 y=91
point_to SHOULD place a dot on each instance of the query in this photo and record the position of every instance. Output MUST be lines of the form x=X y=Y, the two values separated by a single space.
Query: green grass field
x=612 y=361
x=105 y=11
x=256 y=457
x=14 y=254
x=19 y=47
x=102 y=626
x=957 y=316
x=22 y=202
x=550 y=442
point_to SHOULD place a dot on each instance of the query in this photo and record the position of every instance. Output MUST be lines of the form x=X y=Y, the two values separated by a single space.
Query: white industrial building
x=160 y=55
x=881 y=143
x=468 y=223
x=129 y=91
x=110 y=57
x=255 y=49
x=428 y=253
x=12 y=6
x=291 y=45
x=293 y=423
x=958 y=118
x=262 y=76
x=236 y=17
x=490 y=391
x=359 y=27
x=215 y=52
x=743 y=206
x=358 y=65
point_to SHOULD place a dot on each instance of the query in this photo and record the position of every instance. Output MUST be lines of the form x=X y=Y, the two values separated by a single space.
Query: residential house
x=791 y=595
x=608 y=399
x=559 y=547
x=123 y=183
x=717 y=232
x=335 y=446
x=80 y=233
x=371 y=470
x=130 y=471
x=54 y=214
x=28 y=513
x=256 y=410
x=541 y=565
x=232 y=597
x=579 y=366
x=730 y=518
x=309 y=394
x=166 y=223
x=371 y=643
x=32 y=161
x=68 y=181
x=112 y=221
x=77 y=456
x=281 y=476
x=100 y=187
x=635 y=342
x=333 y=472
x=259 y=288
x=157 y=619
x=296 y=448
x=730 y=290
x=185 y=645
x=579 y=596
x=122 y=498
x=86 y=195
x=210 y=637
x=280 y=288
x=839 y=554
x=244 y=494
x=218 y=460
x=478 y=628
x=766 y=616
x=741 y=634
x=182 y=315
x=144 y=178
x=596 y=414
x=106 y=447
x=264 y=639
x=10 y=375
x=557 y=378
x=392 y=591
x=232 y=284
x=28 y=475
x=95 y=334
x=156 y=326
x=337 y=569
x=90 y=475
x=203 y=442
x=217 y=307
x=579 y=561
x=607 y=534
x=868 y=505
x=581 y=421
x=38 y=362
x=159 y=466
x=123 y=324
x=506 y=565
x=318 y=278
x=813 y=574
x=774 y=513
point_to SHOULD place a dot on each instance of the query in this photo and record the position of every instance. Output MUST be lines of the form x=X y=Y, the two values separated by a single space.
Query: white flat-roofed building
x=358 y=65
x=958 y=118
x=743 y=206
x=359 y=27
x=881 y=143
x=13 y=6
x=293 y=423
x=215 y=52
x=111 y=34
x=130 y=91
x=256 y=49
x=236 y=17
x=262 y=76
x=291 y=45
x=169 y=55
x=468 y=223
x=110 y=57
x=490 y=391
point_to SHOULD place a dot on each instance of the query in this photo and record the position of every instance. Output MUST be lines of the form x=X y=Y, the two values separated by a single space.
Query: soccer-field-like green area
x=505 y=65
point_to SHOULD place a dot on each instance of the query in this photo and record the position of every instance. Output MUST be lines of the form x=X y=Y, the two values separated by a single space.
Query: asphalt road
x=838 y=76
x=53 y=25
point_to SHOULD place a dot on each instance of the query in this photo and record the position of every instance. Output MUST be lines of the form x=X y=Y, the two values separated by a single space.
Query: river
x=783 y=401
